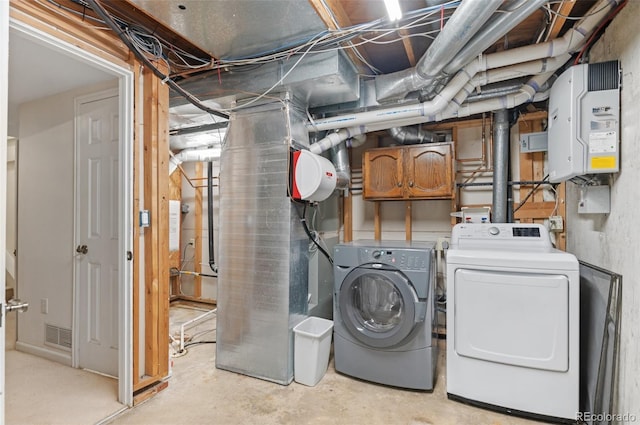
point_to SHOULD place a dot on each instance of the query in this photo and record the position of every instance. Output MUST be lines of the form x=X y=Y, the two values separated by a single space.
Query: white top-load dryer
x=513 y=321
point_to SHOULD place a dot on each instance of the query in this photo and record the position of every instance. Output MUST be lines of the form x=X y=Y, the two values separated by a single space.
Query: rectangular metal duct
x=319 y=79
x=263 y=262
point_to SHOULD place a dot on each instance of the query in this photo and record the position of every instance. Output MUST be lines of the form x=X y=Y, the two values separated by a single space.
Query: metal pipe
x=523 y=59
x=468 y=18
x=212 y=259
x=500 y=166
x=340 y=159
x=493 y=30
x=412 y=135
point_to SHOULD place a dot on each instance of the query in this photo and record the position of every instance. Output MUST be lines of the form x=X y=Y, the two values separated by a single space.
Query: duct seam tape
x=315 y=176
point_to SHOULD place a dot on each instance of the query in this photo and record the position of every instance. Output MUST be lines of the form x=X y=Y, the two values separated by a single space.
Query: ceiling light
x=393 y=9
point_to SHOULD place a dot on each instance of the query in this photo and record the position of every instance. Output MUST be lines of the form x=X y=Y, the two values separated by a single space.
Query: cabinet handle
x=410 y=184
x=399 y=184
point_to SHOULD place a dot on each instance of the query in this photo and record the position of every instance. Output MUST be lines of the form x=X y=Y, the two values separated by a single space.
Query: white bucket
x=311 y=350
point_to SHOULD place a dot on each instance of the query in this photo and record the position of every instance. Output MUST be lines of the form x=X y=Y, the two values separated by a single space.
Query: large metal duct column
x=500 y=165
x=263 y=256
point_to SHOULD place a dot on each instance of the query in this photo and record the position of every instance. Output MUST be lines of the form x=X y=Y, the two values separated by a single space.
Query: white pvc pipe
x=193 y=155
x=418 y=113
x=334 y=139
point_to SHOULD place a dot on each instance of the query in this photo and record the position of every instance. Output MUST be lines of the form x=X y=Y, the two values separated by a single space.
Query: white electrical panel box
x=584 y=121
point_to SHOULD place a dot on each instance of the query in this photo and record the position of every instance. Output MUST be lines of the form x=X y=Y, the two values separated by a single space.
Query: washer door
x=379 y=306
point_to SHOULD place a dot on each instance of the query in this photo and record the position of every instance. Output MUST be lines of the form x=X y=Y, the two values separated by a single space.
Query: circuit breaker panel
x=584 y=121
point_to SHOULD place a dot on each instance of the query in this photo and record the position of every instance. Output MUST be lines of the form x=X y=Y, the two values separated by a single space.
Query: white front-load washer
x=513 y=321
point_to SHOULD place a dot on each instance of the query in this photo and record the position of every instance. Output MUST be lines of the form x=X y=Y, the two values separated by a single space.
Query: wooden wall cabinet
x=409 y=172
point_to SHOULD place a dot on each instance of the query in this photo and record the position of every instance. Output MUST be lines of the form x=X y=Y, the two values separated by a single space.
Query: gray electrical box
x=584 y=121
x=533 y=142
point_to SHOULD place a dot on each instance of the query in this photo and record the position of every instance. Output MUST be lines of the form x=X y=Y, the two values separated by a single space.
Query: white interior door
x=97 y=206
x=4 y=89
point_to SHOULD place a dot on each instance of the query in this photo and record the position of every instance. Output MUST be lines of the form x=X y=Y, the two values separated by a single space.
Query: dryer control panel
x=506 y=234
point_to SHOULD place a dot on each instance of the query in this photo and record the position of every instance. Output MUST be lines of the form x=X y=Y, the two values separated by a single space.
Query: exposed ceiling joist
x=564 y=9
x=335 y=17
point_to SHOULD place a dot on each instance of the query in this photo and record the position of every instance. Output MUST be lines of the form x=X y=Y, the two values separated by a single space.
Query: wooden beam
x=70 y=28
x=336 y=18
x=149 y=392
x=408 y=47
x=563 y=9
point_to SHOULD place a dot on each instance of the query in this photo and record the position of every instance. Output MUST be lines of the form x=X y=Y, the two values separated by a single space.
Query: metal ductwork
x=500 y=165
x=543 y=59
x=468 y=18
x=412 y=135
x=340 y=159
x=263 y=249
x=494 y=29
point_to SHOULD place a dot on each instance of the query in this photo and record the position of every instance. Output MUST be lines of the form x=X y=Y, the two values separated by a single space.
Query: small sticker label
x=603 y=162
x=602 y=142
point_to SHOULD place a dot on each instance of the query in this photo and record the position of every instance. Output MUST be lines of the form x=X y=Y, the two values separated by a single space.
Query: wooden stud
x=377 y=221
x=347 y=205
x=151 y=235
x=163 y=217
x=407 y=220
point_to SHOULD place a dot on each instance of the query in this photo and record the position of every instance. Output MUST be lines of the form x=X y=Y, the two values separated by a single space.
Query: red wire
x=597 y=31
x=441 y=18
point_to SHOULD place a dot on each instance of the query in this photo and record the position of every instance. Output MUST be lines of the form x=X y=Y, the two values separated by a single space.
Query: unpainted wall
x=610 y=240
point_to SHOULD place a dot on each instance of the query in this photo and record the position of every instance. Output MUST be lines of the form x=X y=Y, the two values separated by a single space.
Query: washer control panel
x=407 y=259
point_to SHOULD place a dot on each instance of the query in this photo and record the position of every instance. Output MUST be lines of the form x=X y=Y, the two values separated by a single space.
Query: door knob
x=82 y=249
x=410 y=184
x=16 y=305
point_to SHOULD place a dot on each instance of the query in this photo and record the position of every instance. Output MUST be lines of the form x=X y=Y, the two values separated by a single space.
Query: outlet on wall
x=44 y=306
x=555 y=223
x=192 y=242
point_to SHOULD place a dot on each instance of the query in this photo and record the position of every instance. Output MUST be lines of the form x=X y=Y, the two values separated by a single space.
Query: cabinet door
x=430 y=171
x=382 y=174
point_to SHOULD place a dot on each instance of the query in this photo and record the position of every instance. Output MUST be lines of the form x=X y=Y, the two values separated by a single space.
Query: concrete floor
x=198 y=393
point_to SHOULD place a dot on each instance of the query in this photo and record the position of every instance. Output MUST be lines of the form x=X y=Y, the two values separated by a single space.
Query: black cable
x=531 y=192
x=198 y=342
x=303 y=220
x=106 y=17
